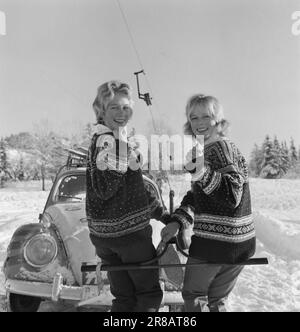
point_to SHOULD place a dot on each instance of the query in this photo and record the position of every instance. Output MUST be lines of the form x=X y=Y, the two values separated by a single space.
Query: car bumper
x=84 y=295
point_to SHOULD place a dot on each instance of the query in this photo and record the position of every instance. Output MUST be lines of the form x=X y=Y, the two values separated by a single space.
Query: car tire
x=23 y=303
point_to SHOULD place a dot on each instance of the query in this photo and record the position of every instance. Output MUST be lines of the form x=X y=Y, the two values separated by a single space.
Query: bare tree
x=48 y=148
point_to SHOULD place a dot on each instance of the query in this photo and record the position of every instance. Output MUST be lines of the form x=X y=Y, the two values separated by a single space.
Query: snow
x=276 y=207
x=48 y=274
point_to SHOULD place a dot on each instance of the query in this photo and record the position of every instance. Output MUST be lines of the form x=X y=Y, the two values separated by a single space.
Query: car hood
x=70 y=220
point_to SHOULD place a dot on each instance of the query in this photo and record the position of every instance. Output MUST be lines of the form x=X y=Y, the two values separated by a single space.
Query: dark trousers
x=206 y=287
x=134 y=290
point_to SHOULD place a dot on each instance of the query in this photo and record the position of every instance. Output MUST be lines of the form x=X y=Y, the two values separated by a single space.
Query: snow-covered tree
x=274 y=163
x=269 y=169
x=4 y=173
x=84 y=136
x=294 y=169
x=79 y=136
x=48 y=148
x=285 y=159
x=293 y=152
x=256 y=161
x=279 y=161
x=21 y=173
x=18 y=162
x=21 y=141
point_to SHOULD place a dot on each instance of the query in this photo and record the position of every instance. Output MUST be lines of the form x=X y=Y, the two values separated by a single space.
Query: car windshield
x=71 y=189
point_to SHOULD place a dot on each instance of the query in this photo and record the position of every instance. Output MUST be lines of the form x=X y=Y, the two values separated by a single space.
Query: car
x=46 y=259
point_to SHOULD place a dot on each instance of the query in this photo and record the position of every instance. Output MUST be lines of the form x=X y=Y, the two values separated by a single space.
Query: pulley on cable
x=144 y=96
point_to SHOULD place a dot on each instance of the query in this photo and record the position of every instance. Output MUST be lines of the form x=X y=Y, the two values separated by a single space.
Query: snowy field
x=276 y=206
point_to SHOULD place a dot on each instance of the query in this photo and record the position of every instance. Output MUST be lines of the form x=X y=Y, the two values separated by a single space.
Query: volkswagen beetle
x=44 y=259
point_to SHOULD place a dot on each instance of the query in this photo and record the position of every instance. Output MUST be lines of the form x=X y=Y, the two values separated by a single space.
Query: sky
x=55 y=54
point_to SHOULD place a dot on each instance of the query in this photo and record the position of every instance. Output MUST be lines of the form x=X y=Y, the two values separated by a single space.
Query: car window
x=152 y=189
x=71 y=189
x=149 y=187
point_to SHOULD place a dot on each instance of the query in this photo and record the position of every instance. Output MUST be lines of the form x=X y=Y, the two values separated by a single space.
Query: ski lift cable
x=130 y=34
x=137 y=55
x=141 y=64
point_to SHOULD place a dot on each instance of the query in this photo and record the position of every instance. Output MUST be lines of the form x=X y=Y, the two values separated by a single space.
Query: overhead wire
x=137 y=55
x=142 y=67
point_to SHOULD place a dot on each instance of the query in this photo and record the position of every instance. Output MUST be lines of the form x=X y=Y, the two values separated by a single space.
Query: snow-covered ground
x=276 y=205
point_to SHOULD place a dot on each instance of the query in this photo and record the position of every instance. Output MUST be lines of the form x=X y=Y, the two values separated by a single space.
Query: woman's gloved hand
x=171 y=230
x=194 y=162
x=161 y=247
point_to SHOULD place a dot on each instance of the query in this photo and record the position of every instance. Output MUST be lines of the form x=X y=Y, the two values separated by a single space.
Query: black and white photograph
x=149 y=158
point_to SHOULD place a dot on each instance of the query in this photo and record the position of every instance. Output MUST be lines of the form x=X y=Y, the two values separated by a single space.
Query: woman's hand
x=194 y=163
x=120 y=133
x=169 y=231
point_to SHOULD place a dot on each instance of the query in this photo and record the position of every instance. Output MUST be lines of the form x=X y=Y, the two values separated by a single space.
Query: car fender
x=16 y=266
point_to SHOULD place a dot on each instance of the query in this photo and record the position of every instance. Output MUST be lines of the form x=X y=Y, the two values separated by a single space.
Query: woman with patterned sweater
x=118 y=207
x=219 y=207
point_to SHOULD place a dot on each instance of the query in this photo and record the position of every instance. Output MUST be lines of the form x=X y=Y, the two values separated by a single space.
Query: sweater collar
x=102 y=129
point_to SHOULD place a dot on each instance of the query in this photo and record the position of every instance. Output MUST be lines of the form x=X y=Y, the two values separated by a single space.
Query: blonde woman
x=118 y=206
x=219 y=205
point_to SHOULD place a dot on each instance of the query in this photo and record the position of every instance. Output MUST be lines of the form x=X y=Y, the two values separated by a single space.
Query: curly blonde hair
x=106 y=93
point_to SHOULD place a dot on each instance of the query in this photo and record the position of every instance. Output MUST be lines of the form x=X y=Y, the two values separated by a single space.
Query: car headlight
x=46 y=219
x=40 y=250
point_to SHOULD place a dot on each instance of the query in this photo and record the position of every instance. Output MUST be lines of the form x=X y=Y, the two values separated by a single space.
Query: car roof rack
x=77 y=158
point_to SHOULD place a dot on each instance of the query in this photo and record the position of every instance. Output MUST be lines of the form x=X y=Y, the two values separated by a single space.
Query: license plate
x=89 y=278
x=89 y=292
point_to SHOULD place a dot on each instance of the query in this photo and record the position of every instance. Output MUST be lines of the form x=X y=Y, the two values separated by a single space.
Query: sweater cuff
x=181 y=220
x=166 y=218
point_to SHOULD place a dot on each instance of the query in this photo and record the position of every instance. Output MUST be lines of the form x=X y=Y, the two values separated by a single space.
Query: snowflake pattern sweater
x=117 y=202
x=219 y=207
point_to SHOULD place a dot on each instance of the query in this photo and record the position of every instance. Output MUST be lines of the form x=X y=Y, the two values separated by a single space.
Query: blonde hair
x=106 y=93
x=213 y=106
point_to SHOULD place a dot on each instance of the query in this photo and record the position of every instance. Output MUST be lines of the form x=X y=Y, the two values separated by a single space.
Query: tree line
x=37 y=155
x=275 y=159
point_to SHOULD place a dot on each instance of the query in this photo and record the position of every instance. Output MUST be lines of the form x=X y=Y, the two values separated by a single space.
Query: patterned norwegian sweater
x=219 y=206
x=117 y=202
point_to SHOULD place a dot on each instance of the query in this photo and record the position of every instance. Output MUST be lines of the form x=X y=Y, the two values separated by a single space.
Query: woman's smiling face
x=202 y=123
x=117 y=112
